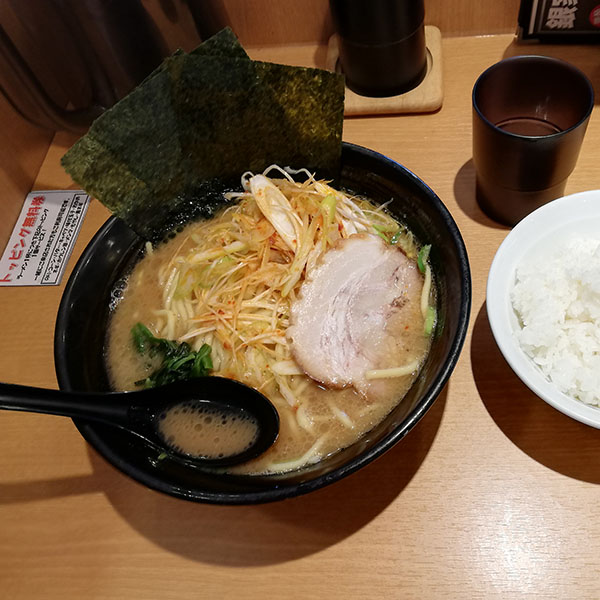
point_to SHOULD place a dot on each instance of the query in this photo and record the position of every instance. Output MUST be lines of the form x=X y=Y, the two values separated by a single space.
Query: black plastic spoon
x=139 y=412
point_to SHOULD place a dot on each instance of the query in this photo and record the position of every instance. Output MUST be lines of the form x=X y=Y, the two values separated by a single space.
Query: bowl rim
x=290 y=490
x=557 y=217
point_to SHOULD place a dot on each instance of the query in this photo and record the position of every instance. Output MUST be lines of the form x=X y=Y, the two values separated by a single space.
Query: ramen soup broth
x=201 y=431
x=314 y=421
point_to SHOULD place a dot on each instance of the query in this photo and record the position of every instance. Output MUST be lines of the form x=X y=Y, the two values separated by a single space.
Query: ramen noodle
x=242 y=282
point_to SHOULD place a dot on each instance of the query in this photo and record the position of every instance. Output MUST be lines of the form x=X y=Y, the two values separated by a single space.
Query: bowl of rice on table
x=543 y=304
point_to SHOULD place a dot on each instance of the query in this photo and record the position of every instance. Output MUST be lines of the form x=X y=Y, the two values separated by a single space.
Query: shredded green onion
x=423 y=257
x=429 y=320
x=404 y=239
x=381 y=235
x=384 y=228
x=328 y=207
x=209 y=275
x=396 y=237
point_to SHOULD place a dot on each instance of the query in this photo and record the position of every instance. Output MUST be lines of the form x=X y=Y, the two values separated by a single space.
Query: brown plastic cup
x=530 y=114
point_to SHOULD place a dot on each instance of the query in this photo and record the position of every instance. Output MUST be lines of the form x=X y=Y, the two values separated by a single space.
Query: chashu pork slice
x=352 y=310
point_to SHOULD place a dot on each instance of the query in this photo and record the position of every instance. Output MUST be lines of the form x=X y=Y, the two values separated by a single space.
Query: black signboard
x=560 y=20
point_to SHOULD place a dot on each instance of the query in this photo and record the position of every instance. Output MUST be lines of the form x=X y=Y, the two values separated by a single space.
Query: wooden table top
x=491 y=495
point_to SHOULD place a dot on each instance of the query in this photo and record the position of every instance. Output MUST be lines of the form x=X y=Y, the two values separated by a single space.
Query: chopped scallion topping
x=429 y=320
x=396 y=237
x=328 y=207
x=423 y=257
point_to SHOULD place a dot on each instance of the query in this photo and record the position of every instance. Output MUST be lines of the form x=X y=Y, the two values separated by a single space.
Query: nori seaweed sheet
x=240 y=115
x=167 y=151
x=223 y=43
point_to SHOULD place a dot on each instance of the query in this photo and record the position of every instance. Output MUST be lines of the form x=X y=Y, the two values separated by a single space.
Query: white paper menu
x=43 y=237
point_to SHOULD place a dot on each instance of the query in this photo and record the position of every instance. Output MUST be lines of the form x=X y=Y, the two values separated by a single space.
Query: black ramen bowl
x=85 y=310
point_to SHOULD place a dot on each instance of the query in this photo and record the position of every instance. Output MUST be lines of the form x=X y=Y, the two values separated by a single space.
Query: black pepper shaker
x=382 y=48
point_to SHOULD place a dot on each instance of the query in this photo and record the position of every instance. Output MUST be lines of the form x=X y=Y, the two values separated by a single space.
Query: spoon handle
x=97 y=407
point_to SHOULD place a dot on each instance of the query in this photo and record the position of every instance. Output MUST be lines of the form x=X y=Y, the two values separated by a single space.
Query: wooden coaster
x=426 y=97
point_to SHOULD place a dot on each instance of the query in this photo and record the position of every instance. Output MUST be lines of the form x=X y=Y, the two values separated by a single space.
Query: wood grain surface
x=263 y=22
x=492 y=495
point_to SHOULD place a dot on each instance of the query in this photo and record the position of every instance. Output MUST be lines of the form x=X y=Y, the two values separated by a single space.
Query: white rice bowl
x=543 y=303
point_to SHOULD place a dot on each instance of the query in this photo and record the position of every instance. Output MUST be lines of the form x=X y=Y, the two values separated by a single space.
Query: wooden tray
x=426 y=97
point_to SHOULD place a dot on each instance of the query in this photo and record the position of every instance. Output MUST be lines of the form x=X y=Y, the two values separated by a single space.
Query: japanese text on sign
x=43 y=238
x=561 y=14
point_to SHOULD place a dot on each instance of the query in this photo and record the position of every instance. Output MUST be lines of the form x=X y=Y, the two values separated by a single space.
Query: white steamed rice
x=557 y=300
